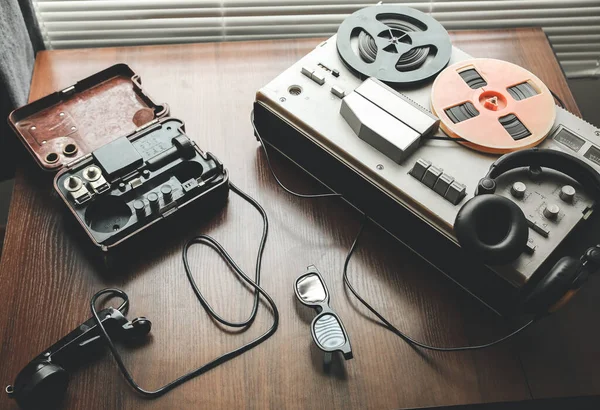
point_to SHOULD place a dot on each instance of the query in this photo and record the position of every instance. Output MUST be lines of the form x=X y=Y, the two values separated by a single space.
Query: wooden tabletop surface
x=47 y=277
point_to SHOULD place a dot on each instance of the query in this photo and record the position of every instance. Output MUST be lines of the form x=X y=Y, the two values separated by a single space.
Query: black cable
x=286 y=189
x=557 y=98
x=397 y=331
x=434 y=137
x=386 y=322
x=203 y=239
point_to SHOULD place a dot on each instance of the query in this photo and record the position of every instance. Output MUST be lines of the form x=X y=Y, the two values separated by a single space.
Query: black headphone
x=43 y=382
x=494 y=228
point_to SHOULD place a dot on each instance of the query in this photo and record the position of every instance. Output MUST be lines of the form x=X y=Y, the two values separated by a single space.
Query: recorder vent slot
x=462 y=112
x=514 y=127
x=522 y=91
x=472 y=78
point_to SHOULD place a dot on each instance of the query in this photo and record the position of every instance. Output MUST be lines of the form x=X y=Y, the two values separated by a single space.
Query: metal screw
x=597 y=133
x=379 y=167
x=282 y=99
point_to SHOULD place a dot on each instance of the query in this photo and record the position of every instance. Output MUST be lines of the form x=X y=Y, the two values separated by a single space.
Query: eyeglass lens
x=328 y=332
x=311 y=289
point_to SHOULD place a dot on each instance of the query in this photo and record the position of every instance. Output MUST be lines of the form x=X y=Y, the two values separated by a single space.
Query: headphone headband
x=568 y=164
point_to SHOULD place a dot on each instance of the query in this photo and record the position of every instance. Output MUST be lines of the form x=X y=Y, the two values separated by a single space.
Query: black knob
x=535 y=173
x=184 y=147
x=486 y=186
x=592 y=255
x=140 y=207
x=167 y=193
x=153 y=201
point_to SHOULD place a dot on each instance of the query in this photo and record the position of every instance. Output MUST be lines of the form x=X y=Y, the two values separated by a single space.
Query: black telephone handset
x=43 y=382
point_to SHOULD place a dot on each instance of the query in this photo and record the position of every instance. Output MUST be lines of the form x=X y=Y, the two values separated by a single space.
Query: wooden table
x=47 y=278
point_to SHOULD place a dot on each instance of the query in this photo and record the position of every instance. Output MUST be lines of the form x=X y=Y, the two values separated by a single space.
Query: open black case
x=122 y=163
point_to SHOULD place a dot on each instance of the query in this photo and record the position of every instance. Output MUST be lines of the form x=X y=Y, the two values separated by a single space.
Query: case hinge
x=146 y=125
x=77 y=161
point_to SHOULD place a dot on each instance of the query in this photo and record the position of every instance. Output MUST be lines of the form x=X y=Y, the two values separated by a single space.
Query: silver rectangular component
x=399 y=106
x=391 y=123
x=318 y=77
x=136 y=182
x=81 y=195
x=338 y=91
x=383 y=131
x=100 y=185
x=307 y=72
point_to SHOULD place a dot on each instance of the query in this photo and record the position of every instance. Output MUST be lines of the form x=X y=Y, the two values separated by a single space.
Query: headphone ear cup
x=492 y=228
x=554 y=289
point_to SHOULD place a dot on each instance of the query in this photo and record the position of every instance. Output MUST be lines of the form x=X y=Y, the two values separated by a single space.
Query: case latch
x=68 y=91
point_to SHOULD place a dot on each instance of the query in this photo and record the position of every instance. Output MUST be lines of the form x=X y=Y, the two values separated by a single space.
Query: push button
x=338 y=91
x=456 y=192
x=316 y=75
x=308 y=72
x=431 y=176
x=443 y=183
x=418 y=170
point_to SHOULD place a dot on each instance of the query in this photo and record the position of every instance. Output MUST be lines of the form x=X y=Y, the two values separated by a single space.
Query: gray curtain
x=20 y=39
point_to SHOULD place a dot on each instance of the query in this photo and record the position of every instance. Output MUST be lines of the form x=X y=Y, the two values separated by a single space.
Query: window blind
x=573 y=26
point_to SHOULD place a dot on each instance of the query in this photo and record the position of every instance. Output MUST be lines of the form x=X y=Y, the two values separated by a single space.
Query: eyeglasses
x=327 y=329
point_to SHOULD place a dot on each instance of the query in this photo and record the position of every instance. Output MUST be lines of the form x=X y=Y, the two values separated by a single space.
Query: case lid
x=69 y=124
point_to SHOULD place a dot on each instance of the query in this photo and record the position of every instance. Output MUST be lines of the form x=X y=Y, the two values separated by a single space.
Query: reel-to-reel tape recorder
x=403 y=126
